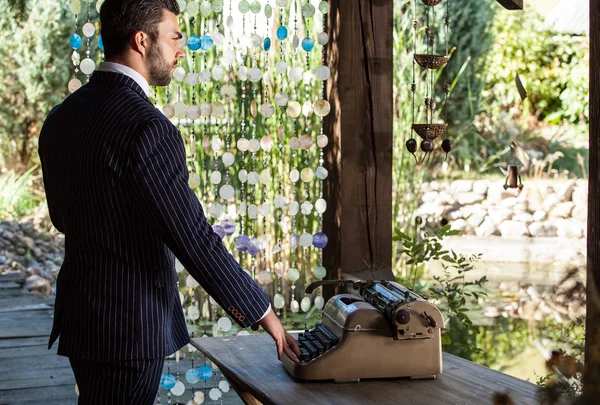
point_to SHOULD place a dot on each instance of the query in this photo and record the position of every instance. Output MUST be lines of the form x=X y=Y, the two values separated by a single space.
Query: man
x=117 y=186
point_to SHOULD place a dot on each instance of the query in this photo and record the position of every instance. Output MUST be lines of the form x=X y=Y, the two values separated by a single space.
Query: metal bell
x=513 y=178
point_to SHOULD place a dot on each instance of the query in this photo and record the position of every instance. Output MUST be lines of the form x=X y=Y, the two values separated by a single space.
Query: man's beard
x=158 y=68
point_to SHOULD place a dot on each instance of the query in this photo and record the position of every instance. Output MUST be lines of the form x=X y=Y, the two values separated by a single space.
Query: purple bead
x=228 y=226
x=241 y=243
x=254 y=246
x=219 y=231
x=319 y=240
x=294 y=241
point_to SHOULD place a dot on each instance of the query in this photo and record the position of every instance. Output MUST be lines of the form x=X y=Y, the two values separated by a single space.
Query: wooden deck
x=33 y=375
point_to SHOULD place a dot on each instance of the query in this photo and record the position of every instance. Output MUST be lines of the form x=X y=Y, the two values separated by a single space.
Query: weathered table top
x=250 y=364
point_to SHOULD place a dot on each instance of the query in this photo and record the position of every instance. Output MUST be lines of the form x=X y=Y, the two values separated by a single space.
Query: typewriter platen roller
x=385 y=332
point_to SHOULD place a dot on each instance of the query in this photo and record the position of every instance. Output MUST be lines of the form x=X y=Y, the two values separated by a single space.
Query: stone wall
x=544 y=208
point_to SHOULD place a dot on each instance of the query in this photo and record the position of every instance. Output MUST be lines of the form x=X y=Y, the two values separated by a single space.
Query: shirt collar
x=127 y=71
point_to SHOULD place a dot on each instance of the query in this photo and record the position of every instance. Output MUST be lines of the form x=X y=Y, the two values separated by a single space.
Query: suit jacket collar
x=102 y=78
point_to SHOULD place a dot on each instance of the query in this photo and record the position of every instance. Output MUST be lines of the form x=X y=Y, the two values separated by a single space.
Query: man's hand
x=283 y=340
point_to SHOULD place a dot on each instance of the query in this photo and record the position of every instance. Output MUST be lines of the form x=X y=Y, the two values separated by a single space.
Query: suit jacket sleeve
x=160 y=179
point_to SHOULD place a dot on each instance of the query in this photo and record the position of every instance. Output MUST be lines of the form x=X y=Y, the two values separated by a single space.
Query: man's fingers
x=279 y=342
x=289 y=353
x=293 y=344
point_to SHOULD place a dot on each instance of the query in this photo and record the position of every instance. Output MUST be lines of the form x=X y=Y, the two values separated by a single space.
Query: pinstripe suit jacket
x=117 y=186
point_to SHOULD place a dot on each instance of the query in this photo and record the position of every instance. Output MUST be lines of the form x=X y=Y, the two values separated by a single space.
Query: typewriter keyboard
x=316 y=341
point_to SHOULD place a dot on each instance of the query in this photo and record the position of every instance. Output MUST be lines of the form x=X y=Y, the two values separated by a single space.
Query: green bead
x=320 y=272
x=268 y=11
x=243 y=7
x=323 y=7
x=75 y=6
x=255 y=7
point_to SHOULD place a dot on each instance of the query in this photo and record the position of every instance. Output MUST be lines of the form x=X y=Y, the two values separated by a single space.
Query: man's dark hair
x=120 y=19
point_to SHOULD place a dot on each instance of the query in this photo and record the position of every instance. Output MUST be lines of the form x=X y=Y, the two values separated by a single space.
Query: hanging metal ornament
x=428 y=130
x=512 y=4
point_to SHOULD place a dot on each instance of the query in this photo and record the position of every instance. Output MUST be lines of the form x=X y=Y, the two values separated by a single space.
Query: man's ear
x=140 y=43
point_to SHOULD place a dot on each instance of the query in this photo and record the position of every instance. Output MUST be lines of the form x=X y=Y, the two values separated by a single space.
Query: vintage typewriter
x=383 y=331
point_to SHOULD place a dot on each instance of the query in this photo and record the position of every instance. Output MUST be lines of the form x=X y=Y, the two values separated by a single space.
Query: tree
x=35 y=60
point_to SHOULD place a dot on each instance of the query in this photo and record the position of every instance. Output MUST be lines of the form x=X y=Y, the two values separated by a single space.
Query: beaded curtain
x=249 y=102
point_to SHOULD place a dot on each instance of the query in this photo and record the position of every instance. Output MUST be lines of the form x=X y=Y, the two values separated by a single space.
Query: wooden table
x=251 y=366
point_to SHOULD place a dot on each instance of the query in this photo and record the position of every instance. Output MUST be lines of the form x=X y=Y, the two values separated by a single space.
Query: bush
x=35 y=60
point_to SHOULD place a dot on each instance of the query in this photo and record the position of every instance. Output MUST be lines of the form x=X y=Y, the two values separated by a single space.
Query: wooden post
x=358 y=220
x=592 y=327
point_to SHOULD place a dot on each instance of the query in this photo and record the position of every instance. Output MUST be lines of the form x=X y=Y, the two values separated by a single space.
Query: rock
x=539 y=215
x=454 y=215
x=487 y=228
x=521 y=208
x=430 y=210
x=29 y=242
x=434 y=186
x=475 y=220
x=579 y=213
x=534 y=199
x=481 y=186
x=543 y=229
x=499 y=214
x=508 y=202
x=550 y=201
x=429 y=197
x=459 y=225
x=568 y=228
x=446 y=198
x=513 y=229
x=524 y=218
x=562 y=210
x=496 y=193
x=565 y=190
x=39 y=285
x=8 y=235
x=461 y=186
x=580 y=196
x=21 y=251
x=469 y=198
x=469 y=210
x=3 y=260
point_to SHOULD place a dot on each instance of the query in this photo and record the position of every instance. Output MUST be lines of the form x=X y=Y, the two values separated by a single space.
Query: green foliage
x=552 y=66
x=453 y=292
x=554 y=69
x=35 y=59
x=16 y=199
x=471 y=34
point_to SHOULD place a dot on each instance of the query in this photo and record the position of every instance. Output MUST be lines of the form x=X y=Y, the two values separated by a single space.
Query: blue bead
x=167 y=381
x=205 y=373
x=254 y=247
x=193 y=43
x=308 y=44
x=206 y=43
x=267 y=44
x=75 y=41
x=282 y=33
x=228 y=226
x=219 y=230
x=241 y=243
x=294 y=241
x=319 y=240
x=100 y=43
